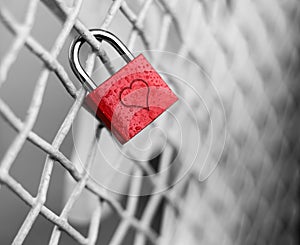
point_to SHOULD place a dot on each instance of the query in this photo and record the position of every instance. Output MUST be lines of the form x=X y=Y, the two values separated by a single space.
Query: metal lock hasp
x=131 y=98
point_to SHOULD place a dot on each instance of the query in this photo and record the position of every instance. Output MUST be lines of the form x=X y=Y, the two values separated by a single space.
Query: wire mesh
x=251 y=198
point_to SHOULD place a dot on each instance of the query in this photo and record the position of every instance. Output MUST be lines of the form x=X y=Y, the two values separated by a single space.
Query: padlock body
x=130 y=99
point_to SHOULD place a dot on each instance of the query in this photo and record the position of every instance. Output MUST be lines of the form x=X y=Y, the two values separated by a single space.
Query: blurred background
x=235 y=69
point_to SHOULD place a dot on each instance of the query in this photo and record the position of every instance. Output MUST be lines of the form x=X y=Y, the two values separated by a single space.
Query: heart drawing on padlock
x=136 y=94
x=129 y=100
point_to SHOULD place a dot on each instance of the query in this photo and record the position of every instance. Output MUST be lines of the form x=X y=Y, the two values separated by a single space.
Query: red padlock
x=130 y=99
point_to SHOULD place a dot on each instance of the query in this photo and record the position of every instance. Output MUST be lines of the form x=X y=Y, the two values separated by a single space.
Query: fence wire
x=250 y=198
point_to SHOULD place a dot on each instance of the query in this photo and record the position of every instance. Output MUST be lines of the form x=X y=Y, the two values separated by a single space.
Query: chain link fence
x=250 y=50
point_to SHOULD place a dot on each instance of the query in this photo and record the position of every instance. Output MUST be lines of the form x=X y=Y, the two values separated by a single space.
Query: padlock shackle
x=100 y=35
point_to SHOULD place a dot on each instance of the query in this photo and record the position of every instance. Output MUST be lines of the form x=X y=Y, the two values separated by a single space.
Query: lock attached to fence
x=130 y=99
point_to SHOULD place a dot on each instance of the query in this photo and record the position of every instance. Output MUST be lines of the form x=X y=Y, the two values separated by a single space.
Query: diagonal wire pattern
x=239 y=182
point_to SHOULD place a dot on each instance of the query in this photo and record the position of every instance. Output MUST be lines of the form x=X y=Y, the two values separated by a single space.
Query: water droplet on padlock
x=129 y=118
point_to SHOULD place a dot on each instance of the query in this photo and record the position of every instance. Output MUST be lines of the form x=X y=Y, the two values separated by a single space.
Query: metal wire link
x=188 y=206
